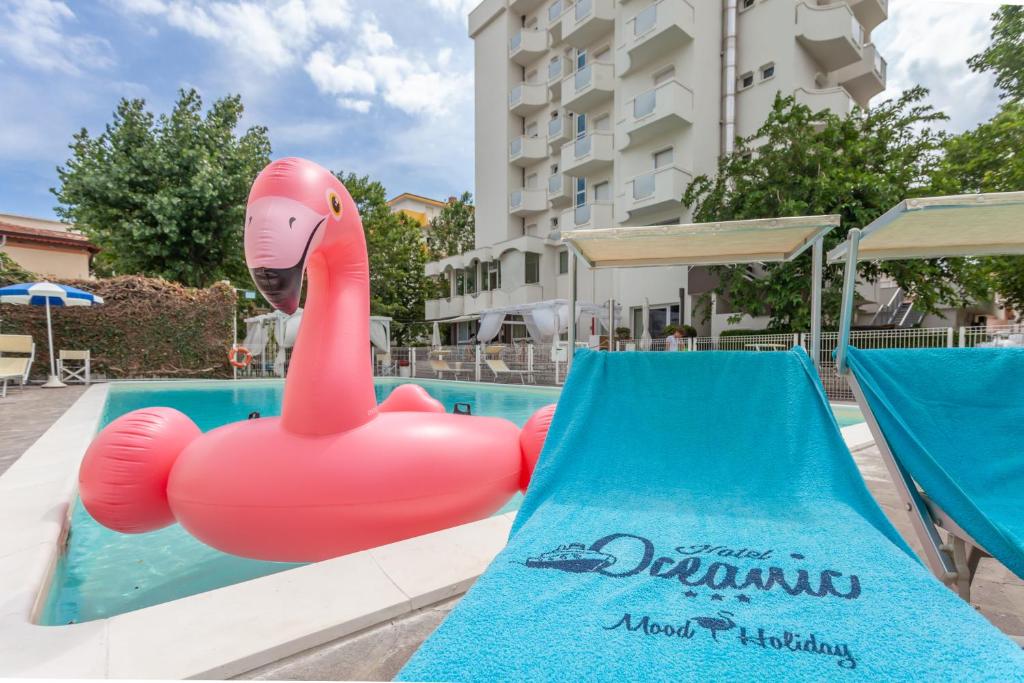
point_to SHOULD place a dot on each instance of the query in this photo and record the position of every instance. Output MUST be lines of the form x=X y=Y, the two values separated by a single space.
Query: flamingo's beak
x=280 y=233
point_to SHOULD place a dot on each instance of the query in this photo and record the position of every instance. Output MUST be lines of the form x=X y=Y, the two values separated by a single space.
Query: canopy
x=931 y=227
x=544 y=320
x=724 y=243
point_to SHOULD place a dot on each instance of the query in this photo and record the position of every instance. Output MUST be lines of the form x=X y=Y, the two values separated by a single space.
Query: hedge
x=147 y=327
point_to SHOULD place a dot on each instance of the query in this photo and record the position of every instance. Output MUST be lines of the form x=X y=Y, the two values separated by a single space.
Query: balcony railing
x=655 y=112
x=582 y=146
x=555 y=127
x=555 y=68
x=590 y=86
x=555 y=183
x=554 y=12
x=643 y=186
x=644 y=103
x=515 y=148
x=583 y=9
x=645 y=21
x=581 y=214
x=660 y=27
x=583 y=78
x=515 y=199
x=515 y=95
x=515 y=42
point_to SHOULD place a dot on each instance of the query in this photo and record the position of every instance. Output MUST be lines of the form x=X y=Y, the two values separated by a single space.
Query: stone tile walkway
x=25 y=415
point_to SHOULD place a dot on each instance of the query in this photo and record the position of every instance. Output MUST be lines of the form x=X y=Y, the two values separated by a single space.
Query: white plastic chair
x=78 y=371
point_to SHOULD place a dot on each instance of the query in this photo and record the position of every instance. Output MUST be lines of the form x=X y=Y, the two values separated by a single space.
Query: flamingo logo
x=715 y=624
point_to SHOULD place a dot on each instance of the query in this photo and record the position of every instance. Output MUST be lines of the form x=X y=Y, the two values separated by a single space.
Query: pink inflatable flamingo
x=336 y=473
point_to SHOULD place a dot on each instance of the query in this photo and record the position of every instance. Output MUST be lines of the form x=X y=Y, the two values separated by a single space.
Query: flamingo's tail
x=531 y=441
x=123 y=478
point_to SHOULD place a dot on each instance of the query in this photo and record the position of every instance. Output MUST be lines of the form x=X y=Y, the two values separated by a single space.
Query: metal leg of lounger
x=966 y=556
x=937 y=558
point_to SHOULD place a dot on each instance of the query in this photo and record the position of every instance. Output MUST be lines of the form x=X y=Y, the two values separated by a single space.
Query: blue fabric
x=953 y=420
x=725 y=534
x=37 y=293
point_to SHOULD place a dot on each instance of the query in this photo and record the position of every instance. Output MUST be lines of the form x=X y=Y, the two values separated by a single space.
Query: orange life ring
x=233 y=357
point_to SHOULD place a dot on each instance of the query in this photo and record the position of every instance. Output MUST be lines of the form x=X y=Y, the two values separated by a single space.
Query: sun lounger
x=15 y=367
x=949 y=420
x=501 y=369
x=733 y=541
x=441 y=366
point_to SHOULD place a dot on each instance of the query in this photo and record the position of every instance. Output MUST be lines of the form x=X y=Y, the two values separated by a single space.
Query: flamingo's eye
x=334 y=201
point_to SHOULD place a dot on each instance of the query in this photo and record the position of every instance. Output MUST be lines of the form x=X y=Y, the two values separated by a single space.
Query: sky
x=379 y=87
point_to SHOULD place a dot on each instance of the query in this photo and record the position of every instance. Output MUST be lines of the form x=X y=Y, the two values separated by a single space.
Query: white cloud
x=361 y=106
x=36 y=33
x=928 y=43
x=457 y=9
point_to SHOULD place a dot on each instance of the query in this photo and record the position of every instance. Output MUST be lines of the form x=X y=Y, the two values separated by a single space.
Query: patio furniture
x=944 y=420
x=78 y=370
x=501 y=370
x=386 y=367
x=650 y=546
x=15 y=367
x=441 y=366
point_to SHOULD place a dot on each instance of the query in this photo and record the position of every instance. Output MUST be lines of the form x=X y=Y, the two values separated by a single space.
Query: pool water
x=104 y=573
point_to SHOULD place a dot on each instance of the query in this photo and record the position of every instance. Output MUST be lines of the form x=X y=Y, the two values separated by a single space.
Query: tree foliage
x=165 y=195
x=1004 y=56
x=398 y=255
x=802 y=163
x=453 y=231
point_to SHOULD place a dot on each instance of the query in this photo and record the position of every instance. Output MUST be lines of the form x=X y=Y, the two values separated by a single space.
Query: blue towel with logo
x=953 y=419
x=698 y=517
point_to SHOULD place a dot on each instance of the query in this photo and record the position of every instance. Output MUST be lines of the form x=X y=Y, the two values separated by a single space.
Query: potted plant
x=403 y=368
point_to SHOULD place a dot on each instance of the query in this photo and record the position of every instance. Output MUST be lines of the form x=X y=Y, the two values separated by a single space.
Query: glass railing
x=858 y=32
x=555 y=69
x=880 y=65
x=515 y=95
x=643 y=186
x=581 y=147
x=645 y=103
x=581 y=214
x=555 y=127
x=515 y=148
x=645 y=21
x=515 y=42
x=515 y=200
x=554 y=11
x=555 y=184
x=583 y=9
x=582 y=78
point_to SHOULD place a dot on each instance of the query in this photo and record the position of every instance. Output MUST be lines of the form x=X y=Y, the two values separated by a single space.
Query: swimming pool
x=103 y=573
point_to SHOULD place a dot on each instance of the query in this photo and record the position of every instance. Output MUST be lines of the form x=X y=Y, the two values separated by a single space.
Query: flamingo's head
x=296 y=208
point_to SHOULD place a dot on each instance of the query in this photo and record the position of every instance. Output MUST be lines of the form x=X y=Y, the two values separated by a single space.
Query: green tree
x=398 y=285
x=1005 y=54
x=453 y=231
x=165 y=196
x=804 y=163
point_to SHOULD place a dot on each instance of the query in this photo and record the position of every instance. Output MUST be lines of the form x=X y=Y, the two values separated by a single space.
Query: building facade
x=598 y=113
x=47 y=248
x=420 y=209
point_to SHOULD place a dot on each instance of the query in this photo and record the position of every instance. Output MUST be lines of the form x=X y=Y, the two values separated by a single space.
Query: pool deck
x=357 y=616
x=25 y=415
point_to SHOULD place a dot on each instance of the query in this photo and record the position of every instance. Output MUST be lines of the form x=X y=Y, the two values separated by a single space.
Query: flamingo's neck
x=330 y=379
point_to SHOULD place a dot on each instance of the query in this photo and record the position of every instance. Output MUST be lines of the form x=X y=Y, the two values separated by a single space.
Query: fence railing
x=544 y=364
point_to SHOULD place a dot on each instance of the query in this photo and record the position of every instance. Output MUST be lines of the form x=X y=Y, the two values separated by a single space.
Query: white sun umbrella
x=645 y=338
x=48 y=294
x=435 y=338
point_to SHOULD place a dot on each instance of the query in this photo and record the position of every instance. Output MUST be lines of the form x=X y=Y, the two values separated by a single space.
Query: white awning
x=544 y=320
x=723 y=243
x=932 y=227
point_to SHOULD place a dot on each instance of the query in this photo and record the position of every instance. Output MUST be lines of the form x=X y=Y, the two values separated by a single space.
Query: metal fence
x=544 y=364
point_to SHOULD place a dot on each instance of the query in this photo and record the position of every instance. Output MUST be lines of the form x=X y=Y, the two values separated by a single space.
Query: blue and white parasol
x=48 y=294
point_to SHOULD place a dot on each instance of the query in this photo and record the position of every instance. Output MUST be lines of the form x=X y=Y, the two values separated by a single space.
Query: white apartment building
x=598 y=113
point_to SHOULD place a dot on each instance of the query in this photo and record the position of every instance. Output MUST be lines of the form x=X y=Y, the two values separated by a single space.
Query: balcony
x=554 y=12
x=444 y=308
x=558 y=69
x=830 y=34
x=658 y=29
x=588 y=87
x=593 y=215
x=527 y=202
x=527 y=98
x=527 y=45
x=559 y=131
x=866 y=78
x=587 y=20
x=658 y=190
x=588 y=155
x=524 y=151
x=836 y=100
x=658 y=111
x=523 y=6
x=559 y=189
x=870 y=13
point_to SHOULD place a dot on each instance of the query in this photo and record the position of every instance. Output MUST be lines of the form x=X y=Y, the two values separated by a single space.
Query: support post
x=476 y=362
x=412 y=361
x=816 y=274
x=53 y=381
x=572 y=311
x=611 y=325
x=949 y=337
x=234 y=343
x=963 y=337
x=849 y=291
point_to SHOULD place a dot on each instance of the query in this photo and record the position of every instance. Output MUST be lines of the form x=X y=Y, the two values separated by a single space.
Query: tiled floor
x=997 y=593
x=25 y=415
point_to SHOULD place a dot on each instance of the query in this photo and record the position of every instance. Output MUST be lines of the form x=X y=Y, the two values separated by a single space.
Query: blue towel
x=953 y=419
x=698 y=517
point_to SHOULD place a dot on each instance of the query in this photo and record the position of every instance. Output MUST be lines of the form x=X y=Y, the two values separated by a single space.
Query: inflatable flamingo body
x=336 y=473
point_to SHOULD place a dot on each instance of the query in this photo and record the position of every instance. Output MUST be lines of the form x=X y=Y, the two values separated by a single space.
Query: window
x=490 y=275
x=747 y=4
x=663 y=158
x=563 y=262
x=660 y=316
x=581 y=126
x=602 y=192
x=554 y=223
x=581 y=59
x=532 y=268
x=581 y=191
x=471 y=285
x=746 y=80
x=767 y=71
x=460 y=282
